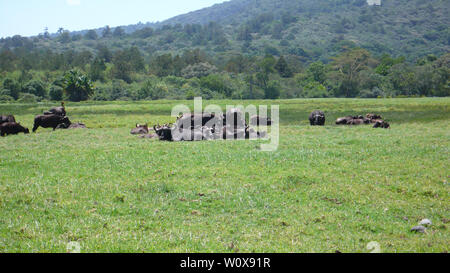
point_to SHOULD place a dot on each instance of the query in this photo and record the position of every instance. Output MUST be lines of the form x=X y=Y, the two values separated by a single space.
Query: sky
x=30 y=17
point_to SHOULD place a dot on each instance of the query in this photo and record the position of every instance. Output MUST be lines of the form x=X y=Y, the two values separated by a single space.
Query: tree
x=136 y=59
x=46 y=33
x=217 y=83
x=265 y=67
x=104 y=53
x=143 y=33
x=347 y=66
x=283 y=68
x=244 y=34
x=163 y=65
x=317 y=72
x=106 y=32
x=12 y=87
x=122 y=69
x=64 y=37
x=386 y=63
x=118 y=32
x=236 y=64
x=126 y=62
x=78 y=87
x=199 y=70
x=272 y=91
x=56 y=93
x=35 y=87
x=97 y=69
x=91 y=35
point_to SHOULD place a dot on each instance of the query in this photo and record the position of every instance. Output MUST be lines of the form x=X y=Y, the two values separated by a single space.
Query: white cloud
x=73 y=2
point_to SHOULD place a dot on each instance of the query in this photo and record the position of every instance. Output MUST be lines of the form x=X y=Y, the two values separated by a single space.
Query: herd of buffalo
x=188 y=127
x=55 y=118
x=206 y=126
x=232 y=125
x=317 y=118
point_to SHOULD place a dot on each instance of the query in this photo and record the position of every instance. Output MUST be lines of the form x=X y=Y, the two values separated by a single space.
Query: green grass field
x=325 y=189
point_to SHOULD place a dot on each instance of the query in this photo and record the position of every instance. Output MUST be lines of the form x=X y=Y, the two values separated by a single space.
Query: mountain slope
x=310 y=29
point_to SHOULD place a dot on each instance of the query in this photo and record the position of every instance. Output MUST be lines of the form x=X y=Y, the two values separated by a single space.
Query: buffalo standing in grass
x=12 y=128
x=6 y=119
x=50 y=121
x=59 y=111
x=317 y=118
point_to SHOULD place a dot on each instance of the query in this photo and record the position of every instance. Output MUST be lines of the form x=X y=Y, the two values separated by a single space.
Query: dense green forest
x=242 y=49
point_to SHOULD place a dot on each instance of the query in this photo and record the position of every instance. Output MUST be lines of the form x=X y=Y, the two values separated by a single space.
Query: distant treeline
x=36 y=75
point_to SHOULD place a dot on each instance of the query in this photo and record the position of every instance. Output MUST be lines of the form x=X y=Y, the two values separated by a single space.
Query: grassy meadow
x=325 y=189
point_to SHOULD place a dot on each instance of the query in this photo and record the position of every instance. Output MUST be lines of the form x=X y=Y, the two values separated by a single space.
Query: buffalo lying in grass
x=317 y=118
x=235 y=118
x=168 y=133
x=190 y=121
x=12 y=128
x=374 y=117
x=50 y=121
x=359 y=120
x=381 y=124
x=163 y=132
x=59 y=111
x=344 y=120
x=257 y=121
x=6 y=119
x=140 y=129
x=71 y=126
x=206 y=126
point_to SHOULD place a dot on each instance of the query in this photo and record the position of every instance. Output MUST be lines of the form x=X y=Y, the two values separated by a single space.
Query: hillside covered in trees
x=243 y=49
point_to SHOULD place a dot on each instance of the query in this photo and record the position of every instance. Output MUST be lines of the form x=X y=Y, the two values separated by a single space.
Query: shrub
x=272 y=91
x=56 y=93
x=78 y=87
x=198 y=70
x=6 y=98
x=27 y=98
x=315 y=90
x=35 y=87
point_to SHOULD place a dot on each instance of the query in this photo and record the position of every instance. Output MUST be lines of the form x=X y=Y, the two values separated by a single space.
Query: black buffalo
x=317 y=118
x=344 y=120
x=381 y=124
x=59 y=111
x=191 y=121
x=374 y=117
x=6 y=119
x=50 y=121
x=235 y=118
x=353 y=120
x=164 y=132
x=12 y=128
x=257 y=121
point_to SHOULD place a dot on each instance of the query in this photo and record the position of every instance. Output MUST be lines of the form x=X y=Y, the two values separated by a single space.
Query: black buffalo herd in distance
x=188 y=127
x=55 y=118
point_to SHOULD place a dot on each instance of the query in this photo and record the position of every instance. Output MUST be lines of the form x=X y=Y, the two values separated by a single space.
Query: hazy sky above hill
x=30 y=17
